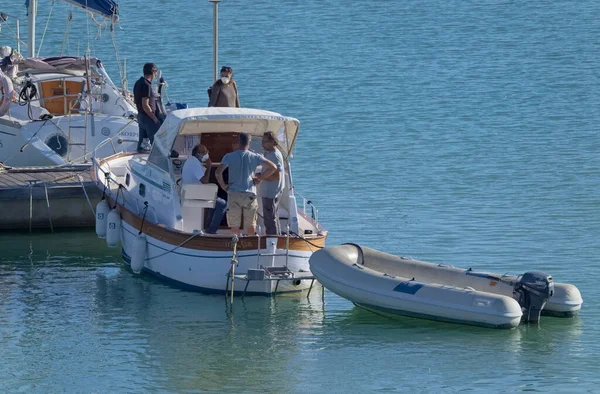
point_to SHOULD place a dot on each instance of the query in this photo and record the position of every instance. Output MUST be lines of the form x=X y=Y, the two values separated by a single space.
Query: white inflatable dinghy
x=383 y=282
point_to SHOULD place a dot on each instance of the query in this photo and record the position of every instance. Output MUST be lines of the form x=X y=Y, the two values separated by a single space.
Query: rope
x=176 y=247
x=27 y=94
x=30 y=205
x=117 y=197
x=86 y=195
x=48 y=204
x=66 y=36
x=98 y=25
x=45 y=29
x=26 y=143
x=114 y=42
x=144 y=217
x=83 y=157
x=234 y=261
x=87 y=24
x=12 y=31
x=307 y=241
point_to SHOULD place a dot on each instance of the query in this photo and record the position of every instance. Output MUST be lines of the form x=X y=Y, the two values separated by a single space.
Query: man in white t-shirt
x=193 y=173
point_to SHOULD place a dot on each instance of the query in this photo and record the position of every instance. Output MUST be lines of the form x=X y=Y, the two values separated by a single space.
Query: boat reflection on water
x=200 y=341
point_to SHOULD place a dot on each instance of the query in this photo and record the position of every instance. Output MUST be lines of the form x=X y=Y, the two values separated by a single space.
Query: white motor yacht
x=160 y=224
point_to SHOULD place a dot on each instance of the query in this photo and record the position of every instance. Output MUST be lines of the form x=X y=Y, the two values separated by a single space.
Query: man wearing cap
x=224 y=91
x=145 y=99
x=241 y=192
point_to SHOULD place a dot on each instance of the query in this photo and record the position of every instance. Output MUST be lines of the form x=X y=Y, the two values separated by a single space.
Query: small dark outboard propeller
x=532 y=291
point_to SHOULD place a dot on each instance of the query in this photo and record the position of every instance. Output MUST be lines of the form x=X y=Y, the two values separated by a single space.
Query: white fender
x=113 y=229
x=138 y=253
x=7 y=93
x=102 y=210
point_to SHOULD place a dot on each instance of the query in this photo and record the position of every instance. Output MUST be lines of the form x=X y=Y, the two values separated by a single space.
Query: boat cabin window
x=157 y=158
x=142 y=190
x=57 y=96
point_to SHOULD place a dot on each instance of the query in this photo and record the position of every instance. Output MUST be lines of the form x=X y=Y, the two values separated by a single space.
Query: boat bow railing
x=308 y=204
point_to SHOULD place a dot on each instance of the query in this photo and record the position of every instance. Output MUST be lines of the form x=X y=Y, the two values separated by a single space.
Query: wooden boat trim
x=217 y=242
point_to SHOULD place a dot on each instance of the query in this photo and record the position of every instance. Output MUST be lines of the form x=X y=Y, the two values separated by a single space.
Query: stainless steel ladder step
x=272 y=254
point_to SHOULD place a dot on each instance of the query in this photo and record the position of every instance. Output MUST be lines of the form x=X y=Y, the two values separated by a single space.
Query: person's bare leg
x=235 y=230
x=251 y=231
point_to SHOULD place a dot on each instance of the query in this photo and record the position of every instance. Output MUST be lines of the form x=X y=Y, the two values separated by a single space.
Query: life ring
x=6 y=87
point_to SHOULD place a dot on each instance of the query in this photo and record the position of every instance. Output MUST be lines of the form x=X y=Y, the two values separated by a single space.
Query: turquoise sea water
x=451 y=131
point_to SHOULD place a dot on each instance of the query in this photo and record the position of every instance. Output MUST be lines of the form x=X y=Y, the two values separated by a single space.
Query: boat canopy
x=196 y=121
x=105 y=8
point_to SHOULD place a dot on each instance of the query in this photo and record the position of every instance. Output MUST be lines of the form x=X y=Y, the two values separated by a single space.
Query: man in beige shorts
x=241 y=190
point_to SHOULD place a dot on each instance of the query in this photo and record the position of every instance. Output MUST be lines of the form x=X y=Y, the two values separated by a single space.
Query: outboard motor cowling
x=532 y=291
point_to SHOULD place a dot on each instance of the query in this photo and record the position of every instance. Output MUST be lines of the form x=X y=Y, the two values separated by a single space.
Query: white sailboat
x=56 y=110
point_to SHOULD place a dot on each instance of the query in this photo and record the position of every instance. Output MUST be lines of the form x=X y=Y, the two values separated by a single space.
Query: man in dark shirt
x=145 y=99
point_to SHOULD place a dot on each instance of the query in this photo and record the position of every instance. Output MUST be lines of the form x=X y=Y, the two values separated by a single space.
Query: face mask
x=203 y=158
x=225 y=80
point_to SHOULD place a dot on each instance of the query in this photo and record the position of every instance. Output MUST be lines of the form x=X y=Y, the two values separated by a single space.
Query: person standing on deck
x=224 y=92
x=272 y=187
x=193 y=173
x=145 y=99
x=241 y=192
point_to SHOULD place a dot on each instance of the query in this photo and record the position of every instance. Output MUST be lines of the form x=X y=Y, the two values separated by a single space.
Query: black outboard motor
x=532 y=291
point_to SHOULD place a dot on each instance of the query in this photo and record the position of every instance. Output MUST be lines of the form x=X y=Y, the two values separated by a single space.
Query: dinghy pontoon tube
x=380 y=281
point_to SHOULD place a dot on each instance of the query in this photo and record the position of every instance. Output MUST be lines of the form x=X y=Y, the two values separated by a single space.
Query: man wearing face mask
x=193 y=173
x=145 y=99
x=224 y=92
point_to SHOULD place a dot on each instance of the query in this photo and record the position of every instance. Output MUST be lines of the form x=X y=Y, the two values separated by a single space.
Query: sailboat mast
x=31 y=13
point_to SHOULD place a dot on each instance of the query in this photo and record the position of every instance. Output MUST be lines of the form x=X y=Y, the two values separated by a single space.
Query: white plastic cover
x=195 y=121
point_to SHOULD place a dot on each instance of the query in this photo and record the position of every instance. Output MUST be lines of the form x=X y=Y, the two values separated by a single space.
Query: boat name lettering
x=241 y=244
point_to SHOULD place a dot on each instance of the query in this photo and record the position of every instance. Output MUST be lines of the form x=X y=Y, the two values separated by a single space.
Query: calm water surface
x=458 y=132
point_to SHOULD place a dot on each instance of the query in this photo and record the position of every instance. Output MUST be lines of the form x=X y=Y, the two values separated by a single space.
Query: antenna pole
x=215 y=38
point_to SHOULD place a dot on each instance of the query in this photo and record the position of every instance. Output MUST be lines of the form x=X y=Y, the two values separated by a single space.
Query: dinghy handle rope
x=362 y=255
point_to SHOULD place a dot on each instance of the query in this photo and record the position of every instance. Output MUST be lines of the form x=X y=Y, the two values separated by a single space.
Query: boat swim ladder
x=72 y=106
x=272 y=249
x=88 y=108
